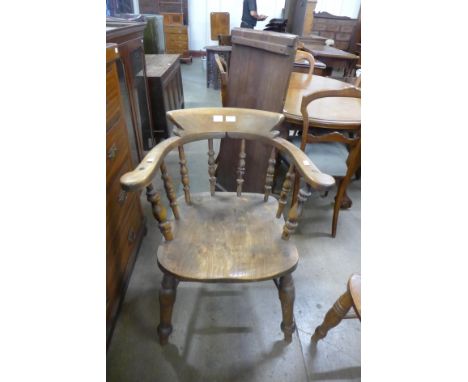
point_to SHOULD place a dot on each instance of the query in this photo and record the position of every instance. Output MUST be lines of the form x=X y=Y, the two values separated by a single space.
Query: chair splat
x=270 y=174
x=184 y=174
x=241 y=168
x=211 y=166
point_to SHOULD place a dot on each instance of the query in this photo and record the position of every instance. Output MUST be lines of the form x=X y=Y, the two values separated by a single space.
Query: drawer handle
x=122 y=196
x=131 y=236
x=112 y=152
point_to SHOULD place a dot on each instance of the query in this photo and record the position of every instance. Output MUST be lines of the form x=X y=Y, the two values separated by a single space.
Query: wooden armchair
x=224 y=236
x=334 y=145
x=340 y=309
x=302 y=55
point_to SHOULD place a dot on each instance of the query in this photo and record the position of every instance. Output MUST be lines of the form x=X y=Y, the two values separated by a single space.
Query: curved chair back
x=302 y=55
x=215 y=123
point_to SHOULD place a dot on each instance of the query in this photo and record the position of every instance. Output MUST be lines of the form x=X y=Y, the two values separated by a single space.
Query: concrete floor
x=231 y=332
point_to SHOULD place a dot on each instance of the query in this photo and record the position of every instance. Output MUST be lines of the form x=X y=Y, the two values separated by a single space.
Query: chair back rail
x=302 y=55
x=143 y=175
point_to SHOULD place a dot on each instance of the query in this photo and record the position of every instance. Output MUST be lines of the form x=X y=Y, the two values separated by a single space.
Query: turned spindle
x=184 y=174
x=241 y=168
x=211 y=166
x=159 y=212
x=285 y=191
x=170 y=192
x=303 y=195
x=270 y=174
x=291 y=224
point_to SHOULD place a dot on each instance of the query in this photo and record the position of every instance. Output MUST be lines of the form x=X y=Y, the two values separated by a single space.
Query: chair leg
x=333 y=316
x=354 y=160
x=167 y=296
x=286 y=295
x=338 y=201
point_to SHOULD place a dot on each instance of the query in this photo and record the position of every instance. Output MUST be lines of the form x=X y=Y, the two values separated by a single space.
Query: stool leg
x=286 y=295
x=167 y=296
x=333 y=316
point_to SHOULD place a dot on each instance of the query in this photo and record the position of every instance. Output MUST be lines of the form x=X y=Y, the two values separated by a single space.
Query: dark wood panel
x=165 y=87
x=252 y=85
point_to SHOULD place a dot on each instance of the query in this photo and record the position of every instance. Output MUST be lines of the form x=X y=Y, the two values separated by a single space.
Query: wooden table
x=332 y=57
x=328 y=112
x=212 y=73
x=165 y=89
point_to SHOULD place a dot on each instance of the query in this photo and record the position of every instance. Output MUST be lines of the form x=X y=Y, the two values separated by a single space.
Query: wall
x=199 y=16
x=338 y=29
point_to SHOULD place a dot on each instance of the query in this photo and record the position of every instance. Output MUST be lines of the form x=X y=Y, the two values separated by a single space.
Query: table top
x=304 y=63
x=157 y=64
x=319 y=50
x=333 y=112
x=219 y=48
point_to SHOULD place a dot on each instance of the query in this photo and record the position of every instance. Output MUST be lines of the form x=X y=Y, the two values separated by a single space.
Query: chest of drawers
x=124 y=218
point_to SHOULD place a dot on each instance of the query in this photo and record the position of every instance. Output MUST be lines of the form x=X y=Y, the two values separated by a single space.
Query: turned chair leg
x=333 y=316
x=338 y=202
x=286 y=295
x=167 y=296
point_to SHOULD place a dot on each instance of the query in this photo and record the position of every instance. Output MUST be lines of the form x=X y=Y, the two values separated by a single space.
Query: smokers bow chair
x=224 y=236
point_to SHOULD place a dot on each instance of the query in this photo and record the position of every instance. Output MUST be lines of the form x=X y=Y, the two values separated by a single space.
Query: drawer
x=177 y=37
x=175 y=29
x=173 y=18
x=112 y=94
x=176 y=46
x=118 y=202
x=117 y=150
x=118 y=252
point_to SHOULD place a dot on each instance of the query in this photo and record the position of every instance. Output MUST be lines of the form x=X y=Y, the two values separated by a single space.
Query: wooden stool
x=351 y=298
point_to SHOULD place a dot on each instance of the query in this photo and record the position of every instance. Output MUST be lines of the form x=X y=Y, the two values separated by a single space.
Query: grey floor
x=231 y=332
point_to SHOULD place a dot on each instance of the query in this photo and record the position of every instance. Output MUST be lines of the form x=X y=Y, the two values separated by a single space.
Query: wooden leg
x=333 y=316
x=167 y=296
x=354 y=160
x=286 y=295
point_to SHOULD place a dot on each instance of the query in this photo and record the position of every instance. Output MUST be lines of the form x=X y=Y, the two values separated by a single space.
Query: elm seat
x=237 y=239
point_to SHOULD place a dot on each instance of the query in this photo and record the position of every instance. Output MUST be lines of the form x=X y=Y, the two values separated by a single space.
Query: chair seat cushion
x=329 y=157
x=227 y=238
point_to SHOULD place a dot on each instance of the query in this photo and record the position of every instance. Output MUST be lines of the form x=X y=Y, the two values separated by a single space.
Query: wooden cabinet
x=176 y=37
x=165 y=88
x=124 y=218
x=129 y=40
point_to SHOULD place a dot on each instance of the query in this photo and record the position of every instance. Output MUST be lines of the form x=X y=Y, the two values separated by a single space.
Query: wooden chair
x=224 y=74
x=224 y=236
x=225 y=39
x=341 y=308
x=302 y=55
x=331 y=143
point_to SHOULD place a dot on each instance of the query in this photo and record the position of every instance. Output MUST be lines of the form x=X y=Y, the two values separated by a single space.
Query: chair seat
x=227 y=238
x=329 y=157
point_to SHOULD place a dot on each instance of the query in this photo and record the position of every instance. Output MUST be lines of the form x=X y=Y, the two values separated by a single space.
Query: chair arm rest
x=144 y=173
x=308 y=170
